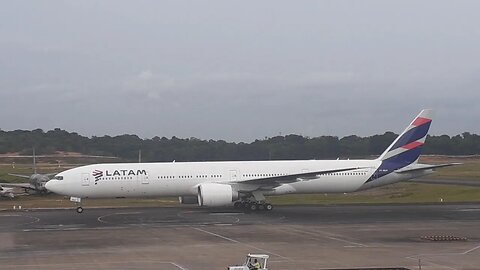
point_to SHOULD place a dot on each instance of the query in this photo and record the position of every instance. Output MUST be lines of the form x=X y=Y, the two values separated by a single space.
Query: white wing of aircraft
x=275 y=181
x=37 y=180
x=19 y=185
x=36 y=185
x=245 y=183
x=6 y=192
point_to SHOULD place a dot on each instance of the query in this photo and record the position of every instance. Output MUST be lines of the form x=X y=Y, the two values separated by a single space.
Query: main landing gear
x=255 y=201
x=253 y=206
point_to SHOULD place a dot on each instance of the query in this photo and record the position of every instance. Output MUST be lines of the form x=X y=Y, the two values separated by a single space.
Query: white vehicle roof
x=261 y=256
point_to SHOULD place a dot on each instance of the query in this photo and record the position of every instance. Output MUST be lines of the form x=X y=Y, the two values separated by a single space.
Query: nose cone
x=52 y=186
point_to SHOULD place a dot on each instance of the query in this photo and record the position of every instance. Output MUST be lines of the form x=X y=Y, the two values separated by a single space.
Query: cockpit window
x=58 y=177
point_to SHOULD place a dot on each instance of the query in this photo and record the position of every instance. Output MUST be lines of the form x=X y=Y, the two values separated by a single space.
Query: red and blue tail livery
x=406 y=149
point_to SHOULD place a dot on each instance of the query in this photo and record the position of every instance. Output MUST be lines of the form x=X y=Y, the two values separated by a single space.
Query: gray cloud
x=238 y=70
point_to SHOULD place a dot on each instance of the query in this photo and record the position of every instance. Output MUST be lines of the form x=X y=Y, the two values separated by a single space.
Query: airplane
x=6 y=192
x=244 y=184
x=36 y=183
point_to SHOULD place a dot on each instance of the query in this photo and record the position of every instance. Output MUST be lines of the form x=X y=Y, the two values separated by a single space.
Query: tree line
x=292 y=146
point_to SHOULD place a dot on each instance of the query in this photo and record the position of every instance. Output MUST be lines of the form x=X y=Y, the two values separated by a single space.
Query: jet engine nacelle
x=213 y=194
x=188 y=199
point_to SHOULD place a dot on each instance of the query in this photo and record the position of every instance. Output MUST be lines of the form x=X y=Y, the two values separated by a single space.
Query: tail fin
x=34 y=162
x=406 y=149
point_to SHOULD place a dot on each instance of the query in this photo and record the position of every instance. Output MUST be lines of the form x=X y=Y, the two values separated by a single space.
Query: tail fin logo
x=413 y=137
x=406 y=149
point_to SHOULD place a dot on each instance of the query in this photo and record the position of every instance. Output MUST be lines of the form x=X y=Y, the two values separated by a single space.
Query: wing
x=421 y=167
x=290 y=178
x=6 y=192
x=20 y=175
x=19 y=185
x=2 y=188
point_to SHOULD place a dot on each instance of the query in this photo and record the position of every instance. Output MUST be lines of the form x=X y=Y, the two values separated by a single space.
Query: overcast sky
x=239 y=70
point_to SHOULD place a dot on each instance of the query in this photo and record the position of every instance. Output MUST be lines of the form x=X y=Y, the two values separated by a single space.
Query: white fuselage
x=183 y=178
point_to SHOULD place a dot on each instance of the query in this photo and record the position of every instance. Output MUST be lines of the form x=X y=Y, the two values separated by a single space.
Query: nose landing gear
x=78 y=203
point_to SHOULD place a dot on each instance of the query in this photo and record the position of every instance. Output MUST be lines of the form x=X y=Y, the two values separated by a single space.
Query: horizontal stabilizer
x=458 y=182
x=421 y=167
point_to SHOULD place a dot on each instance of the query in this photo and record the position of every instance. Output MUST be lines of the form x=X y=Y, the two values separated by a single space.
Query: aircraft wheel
x=268 y=207
x=253 y=207
x=79 y=209
x=237 y=204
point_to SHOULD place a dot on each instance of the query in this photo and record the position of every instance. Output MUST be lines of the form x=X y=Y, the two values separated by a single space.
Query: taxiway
x=296 y=237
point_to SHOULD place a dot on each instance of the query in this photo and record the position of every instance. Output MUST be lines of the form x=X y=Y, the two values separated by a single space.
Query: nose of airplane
x=50 y=186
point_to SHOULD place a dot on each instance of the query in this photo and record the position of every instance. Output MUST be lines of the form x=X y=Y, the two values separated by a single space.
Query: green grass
x=467 y=171
x=397 y=193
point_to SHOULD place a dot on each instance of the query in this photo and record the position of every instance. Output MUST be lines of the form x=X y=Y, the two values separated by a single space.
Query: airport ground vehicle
x=250 y=262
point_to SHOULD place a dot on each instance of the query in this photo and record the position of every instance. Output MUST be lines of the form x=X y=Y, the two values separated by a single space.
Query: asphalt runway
x=191 y=238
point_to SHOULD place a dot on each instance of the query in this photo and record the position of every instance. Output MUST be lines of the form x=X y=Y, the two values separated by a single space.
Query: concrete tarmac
x=295 y=237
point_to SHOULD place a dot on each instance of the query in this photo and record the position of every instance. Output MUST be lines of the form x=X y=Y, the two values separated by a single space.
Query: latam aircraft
x=246 y=183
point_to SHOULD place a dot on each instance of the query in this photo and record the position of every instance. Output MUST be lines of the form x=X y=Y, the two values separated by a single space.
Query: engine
x=188 y=199
x=213 y=194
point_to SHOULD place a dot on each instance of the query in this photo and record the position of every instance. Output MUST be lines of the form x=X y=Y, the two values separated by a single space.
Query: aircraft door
x=233 y=175
x=143 y=179
x=85 y=179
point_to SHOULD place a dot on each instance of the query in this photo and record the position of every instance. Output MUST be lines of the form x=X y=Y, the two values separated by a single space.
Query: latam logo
x=98 y=174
